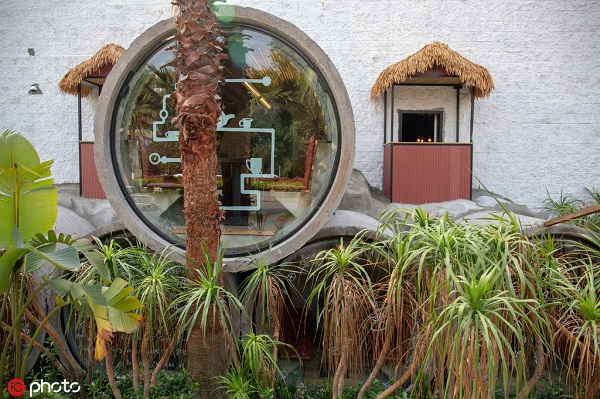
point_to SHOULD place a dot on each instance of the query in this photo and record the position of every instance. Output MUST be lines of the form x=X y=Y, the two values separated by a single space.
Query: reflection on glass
x=277 y=142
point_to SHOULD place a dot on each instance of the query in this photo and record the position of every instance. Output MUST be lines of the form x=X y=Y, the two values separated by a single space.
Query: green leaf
x=14 y=147
x=33 y=262
x=37 y=211
x=65 y=259
x=59 y=301
x=96 y=260
x=8 y=260
x=28 y=199
x=120 y=306
x=17 y=238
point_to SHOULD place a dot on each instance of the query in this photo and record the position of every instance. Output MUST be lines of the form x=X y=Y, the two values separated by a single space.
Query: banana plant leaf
x=111 y=307
x=43 y=249
x=28 y=198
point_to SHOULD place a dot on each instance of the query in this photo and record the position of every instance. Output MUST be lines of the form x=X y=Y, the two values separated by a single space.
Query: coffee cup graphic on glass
x=246 y=123
x=254 y=165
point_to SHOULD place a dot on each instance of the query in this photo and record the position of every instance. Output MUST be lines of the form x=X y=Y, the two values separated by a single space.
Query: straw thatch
x=435 y=54
x=108 y=55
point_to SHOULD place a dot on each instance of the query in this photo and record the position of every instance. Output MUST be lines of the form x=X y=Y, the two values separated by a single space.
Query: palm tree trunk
x=211 y=357
x=197 y=56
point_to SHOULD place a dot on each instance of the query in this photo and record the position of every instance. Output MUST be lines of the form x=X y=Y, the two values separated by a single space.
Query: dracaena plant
x=28 y=209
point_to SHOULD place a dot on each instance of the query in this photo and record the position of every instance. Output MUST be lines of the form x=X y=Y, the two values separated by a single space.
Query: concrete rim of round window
x=138 y=52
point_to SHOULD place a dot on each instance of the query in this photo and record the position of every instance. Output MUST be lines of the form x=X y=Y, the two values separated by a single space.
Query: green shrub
x=175 y=385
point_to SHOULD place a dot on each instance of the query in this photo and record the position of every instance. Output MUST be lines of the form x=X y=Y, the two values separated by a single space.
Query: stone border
x=164 y=30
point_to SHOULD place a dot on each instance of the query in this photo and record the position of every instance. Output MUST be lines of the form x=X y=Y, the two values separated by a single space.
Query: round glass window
x=278 y=142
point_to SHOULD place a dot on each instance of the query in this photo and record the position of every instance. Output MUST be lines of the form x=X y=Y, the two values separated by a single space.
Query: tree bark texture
x=210 y=357
x=198 y=53
x=539 y=369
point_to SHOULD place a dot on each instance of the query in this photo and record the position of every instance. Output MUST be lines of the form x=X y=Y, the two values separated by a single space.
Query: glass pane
x=277 y=143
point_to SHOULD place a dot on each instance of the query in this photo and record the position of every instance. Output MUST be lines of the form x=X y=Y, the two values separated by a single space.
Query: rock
x=98 y=212
x=455 y=208
x=358 y=198
x=486 y=201
x=69 y=222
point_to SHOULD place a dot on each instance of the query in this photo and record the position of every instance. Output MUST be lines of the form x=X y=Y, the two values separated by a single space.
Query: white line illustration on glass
x=254 y=165
x=155 y=159
x=266 y=81
x=171 y=135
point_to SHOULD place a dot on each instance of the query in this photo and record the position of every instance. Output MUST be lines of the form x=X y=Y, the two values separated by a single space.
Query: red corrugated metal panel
x=387 y=151
x=424 y=173
x=90 y=184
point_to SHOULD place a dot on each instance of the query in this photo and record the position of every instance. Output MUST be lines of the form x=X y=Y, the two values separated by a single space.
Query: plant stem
x=135 y=366
x=14 y=328
x=146 y=358
x=110 y=373
x=163 y=359
x=378 y=365
x=32 y=319
x=419 y=352
x=65 y=373
x=539 y=368
x=16 y=321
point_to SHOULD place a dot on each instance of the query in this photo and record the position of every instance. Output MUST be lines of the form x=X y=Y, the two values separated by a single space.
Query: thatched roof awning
x=96 y=67
x=416 y=68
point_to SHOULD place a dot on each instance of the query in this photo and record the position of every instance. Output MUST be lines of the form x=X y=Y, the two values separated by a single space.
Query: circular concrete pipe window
x=285 y=139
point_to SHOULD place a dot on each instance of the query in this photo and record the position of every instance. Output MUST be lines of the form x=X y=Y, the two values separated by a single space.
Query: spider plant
x=494 y=304
x=236 y=385
x=566 y=204
x=157 y=280
x=341 y=281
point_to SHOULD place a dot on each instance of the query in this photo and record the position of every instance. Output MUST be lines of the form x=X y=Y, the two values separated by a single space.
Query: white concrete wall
x=538 y=131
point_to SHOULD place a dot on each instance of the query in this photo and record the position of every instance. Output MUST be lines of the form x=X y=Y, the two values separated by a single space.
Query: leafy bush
x=324 y=391
x=176 y=385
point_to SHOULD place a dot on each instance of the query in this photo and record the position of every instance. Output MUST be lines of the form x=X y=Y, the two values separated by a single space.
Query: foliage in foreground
x=565 y=204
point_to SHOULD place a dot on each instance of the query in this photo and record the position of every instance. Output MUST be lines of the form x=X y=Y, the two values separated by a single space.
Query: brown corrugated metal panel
x=424 y=173
x=90 y=184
